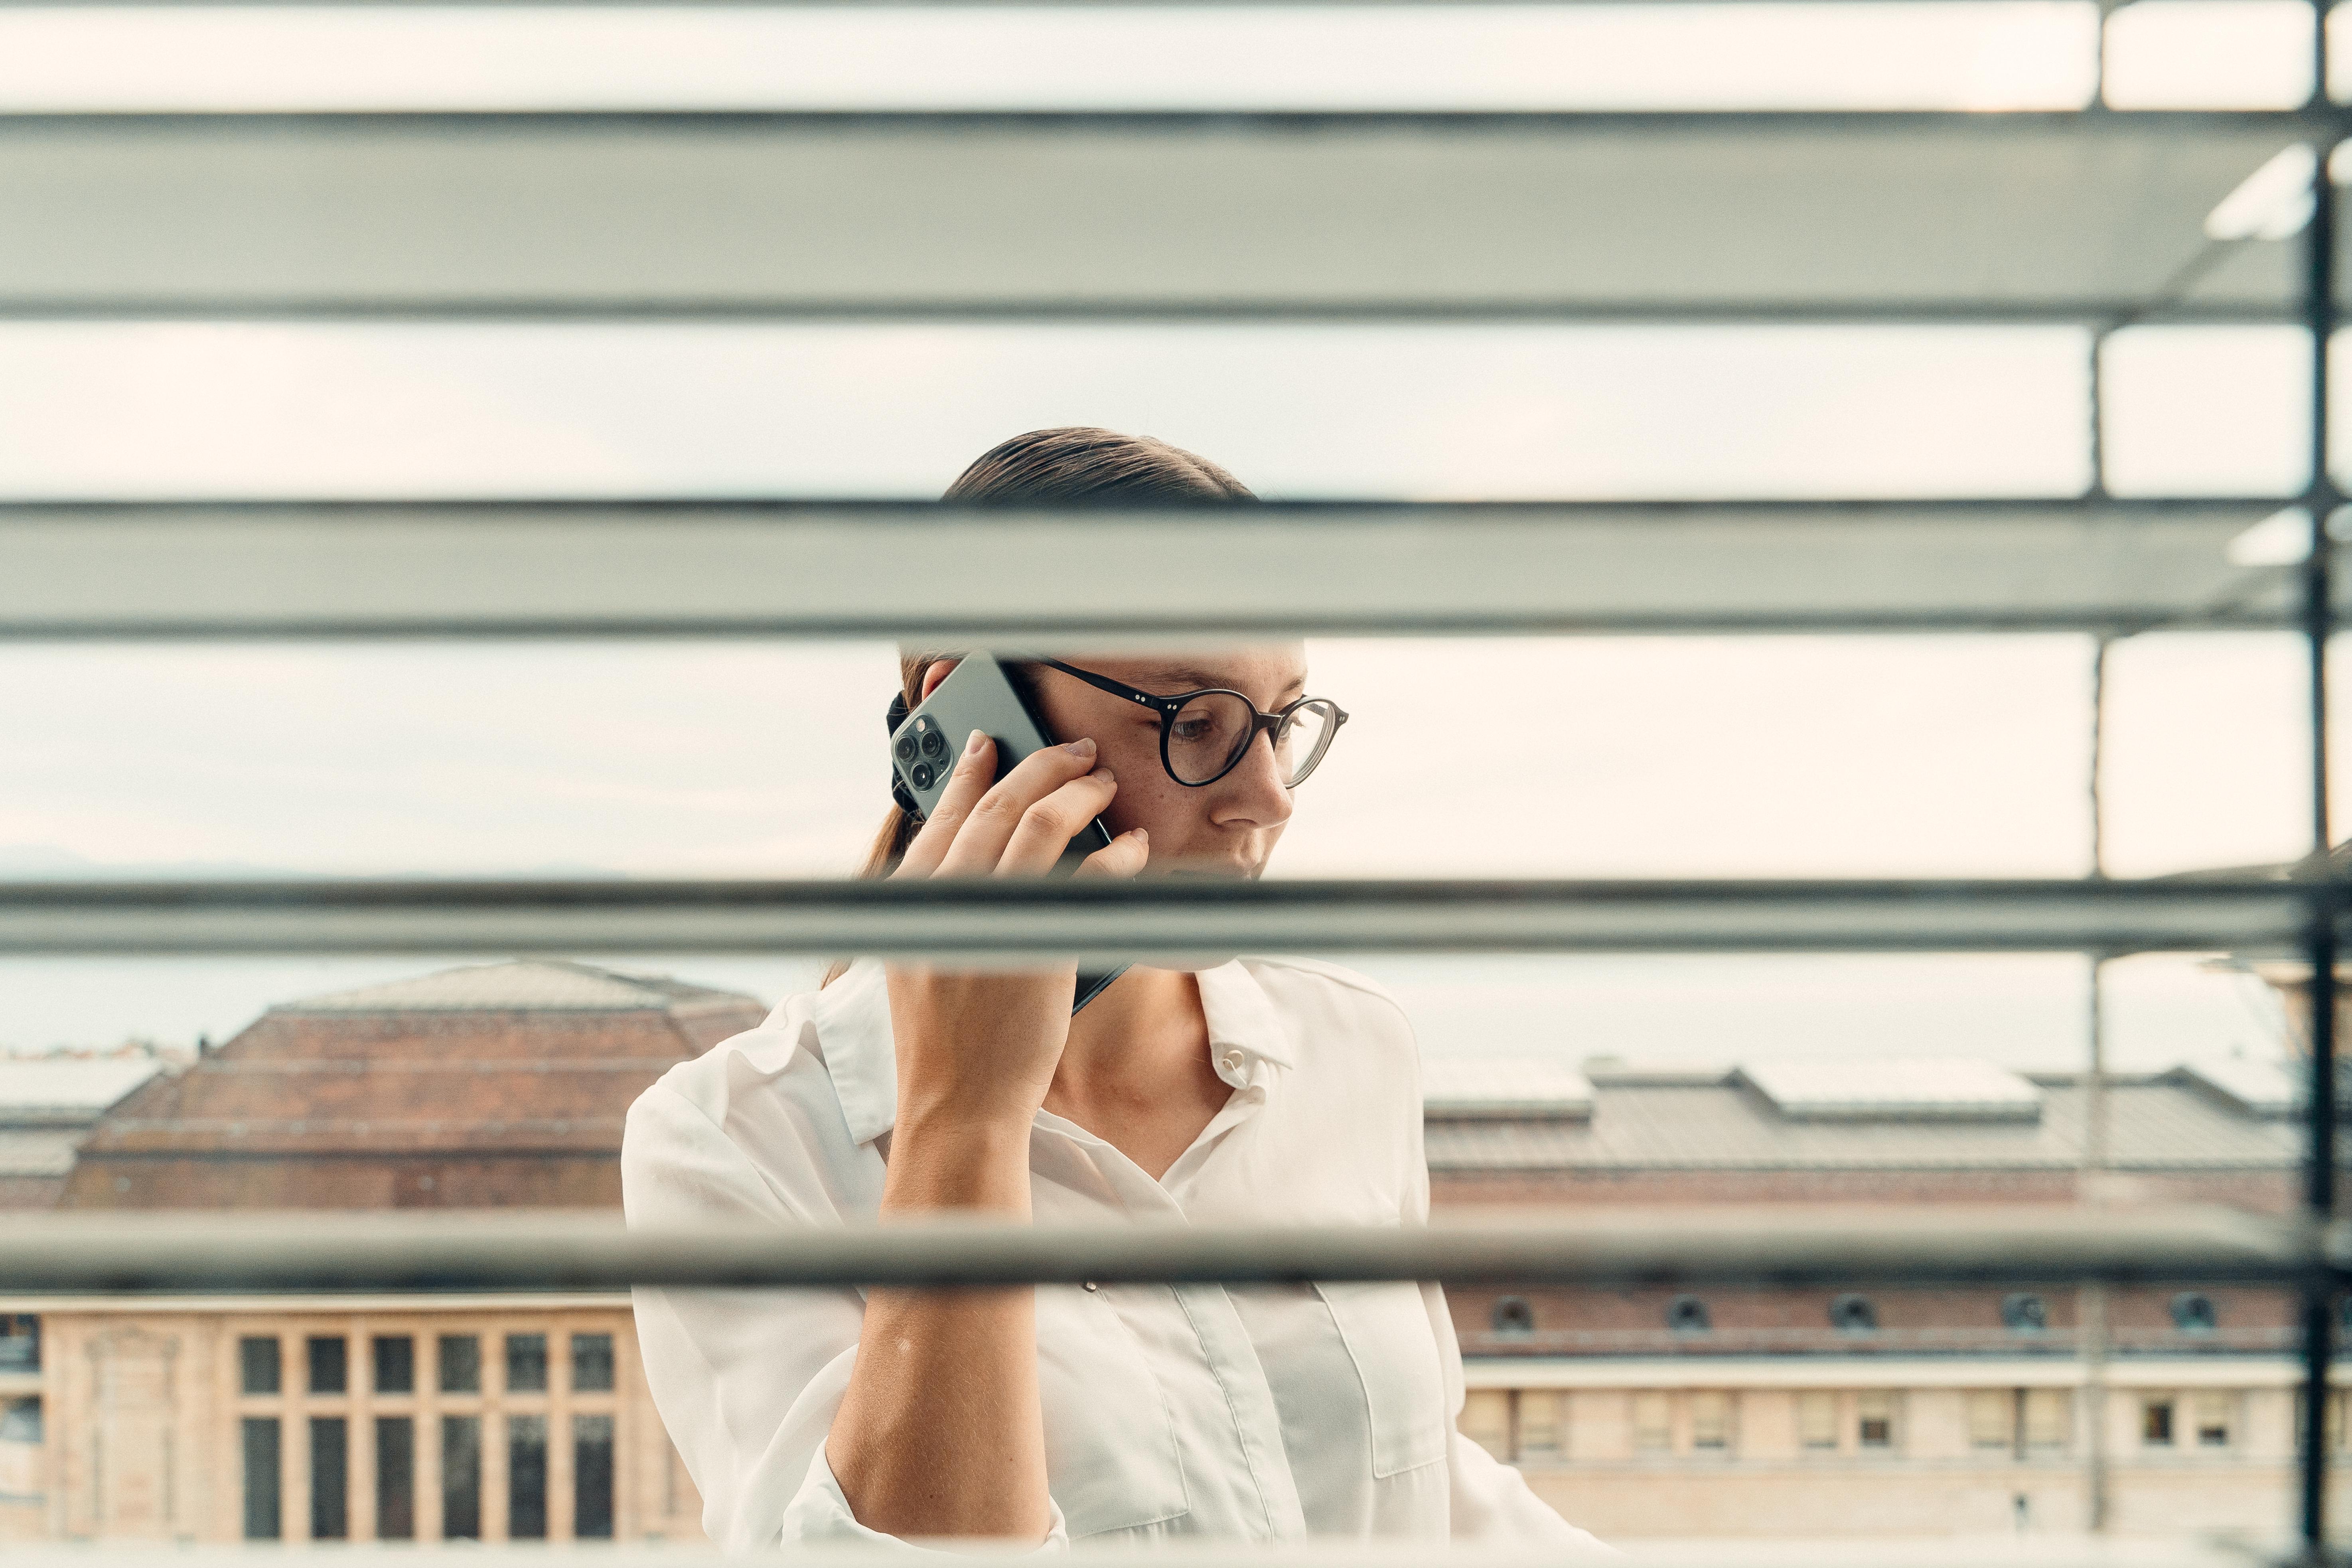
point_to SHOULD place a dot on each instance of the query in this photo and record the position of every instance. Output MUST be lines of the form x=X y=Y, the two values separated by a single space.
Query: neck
x=1141 y=1008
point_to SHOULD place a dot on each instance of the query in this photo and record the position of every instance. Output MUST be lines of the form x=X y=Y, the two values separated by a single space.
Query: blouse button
x=1232 y=1062
x=1092 y=1286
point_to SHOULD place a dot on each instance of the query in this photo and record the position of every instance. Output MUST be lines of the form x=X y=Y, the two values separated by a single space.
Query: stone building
x=1639 y=1413
x=439 y=1417
x=1878 y=1412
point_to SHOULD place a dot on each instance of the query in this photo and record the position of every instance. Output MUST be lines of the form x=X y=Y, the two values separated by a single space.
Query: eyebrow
x=1181 y=678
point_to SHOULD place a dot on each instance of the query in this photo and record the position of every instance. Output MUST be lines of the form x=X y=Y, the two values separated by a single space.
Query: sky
x=1862 y=756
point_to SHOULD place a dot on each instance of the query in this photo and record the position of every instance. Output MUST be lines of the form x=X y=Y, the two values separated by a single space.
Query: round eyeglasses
x=1203 y=735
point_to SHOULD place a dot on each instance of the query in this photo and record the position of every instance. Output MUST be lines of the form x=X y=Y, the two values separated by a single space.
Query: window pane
x=1874 y=1412
x=260 y=1445
x=461 y=1364
x=1653 y=1431
x=2213 y=1411
x=461 y=1477
x=2048 y=1417
x=330 y=1477
x=2156 y=1423
x=1817 y=1419
x=396 y=1365
x=592 y=1477
x=1542 y=1433
x=327 y=1368
x=396 y=1478
x=257 y=1362
x=526 y=1476
x=1990 y=1412
x=1486 y=1420
x=1710 y=1419
x=526 y=1363
x=592 y=1364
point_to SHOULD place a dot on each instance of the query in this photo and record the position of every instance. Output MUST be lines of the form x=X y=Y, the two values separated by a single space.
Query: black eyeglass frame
x=1271 y=725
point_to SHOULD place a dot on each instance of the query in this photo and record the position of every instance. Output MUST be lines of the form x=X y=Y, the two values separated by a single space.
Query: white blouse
x=1248 y=1413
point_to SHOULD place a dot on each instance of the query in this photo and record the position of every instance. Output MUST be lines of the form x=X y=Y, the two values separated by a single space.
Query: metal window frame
x=2310 y=1253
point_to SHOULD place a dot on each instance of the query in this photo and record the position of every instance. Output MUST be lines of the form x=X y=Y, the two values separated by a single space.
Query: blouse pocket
x=1386 y=1332
x=1110 y=1442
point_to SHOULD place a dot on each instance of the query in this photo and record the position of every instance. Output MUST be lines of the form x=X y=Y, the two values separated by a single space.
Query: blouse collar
x=852 y=1018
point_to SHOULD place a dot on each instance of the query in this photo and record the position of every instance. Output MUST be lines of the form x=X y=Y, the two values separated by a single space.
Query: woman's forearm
x=940 y=1432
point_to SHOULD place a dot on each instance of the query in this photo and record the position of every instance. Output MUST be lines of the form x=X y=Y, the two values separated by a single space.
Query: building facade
x=1638 y=1412
x=489 y=1418
x=1866 y=1412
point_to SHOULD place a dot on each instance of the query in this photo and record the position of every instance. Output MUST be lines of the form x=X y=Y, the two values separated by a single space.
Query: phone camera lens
x=922 y=775
x=905 y=748
x=935 y=745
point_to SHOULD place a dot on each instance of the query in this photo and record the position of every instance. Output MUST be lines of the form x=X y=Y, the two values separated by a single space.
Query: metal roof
x=48 y=1091
x=38 y=1151
x=2154 y=1124
x=1509 y=1088
x=523 y=985
x=1904 y=1089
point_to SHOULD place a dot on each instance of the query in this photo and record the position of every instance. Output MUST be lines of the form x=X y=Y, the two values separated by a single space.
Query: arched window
x=1852 y=1314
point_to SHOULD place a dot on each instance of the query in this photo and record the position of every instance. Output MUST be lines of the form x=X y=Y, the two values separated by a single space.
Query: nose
x=1253 y=795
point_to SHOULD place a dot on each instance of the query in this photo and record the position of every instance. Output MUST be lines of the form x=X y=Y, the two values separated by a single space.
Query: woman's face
x=1224 y=829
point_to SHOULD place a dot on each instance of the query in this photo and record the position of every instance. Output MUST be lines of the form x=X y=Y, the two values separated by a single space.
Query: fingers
x=1123 y=856
x=980 y=839
x=1046 y=829
x=975 y=770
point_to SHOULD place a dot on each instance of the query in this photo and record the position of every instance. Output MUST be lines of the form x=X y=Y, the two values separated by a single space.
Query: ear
x=938 y=670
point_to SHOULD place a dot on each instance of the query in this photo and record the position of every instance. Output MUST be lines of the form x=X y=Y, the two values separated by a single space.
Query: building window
x=2193 y=1312
x=328 y=1373
x=1654 y=1423
x=526 y=1363
x=1992 y=1419
x=2049 y=1419
x=1852 y=1314
x=526 y=1470
x=1486 y=1421
x=2024 y=1314
x=1873 y=1419
x=2155 y=1423
x=592 y=1364
x=1542 y=1424
x=396 y=1478
x=592 y=1477
x=330 y=1476
x=2213 y=1413
x=395 y=1363
x=257 y=1359
x=20 y=1341
x=1710 y=1414
x=1817 y=1422
x=461 y=1477
x=1512 y=1315
x=460 y=1360
x=259 y=1439
x=1688 y=1315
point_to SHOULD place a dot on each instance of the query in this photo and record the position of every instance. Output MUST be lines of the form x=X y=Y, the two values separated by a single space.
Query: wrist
x=951 y=1161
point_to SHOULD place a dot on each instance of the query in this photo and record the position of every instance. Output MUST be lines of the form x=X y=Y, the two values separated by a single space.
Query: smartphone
x=979 y=695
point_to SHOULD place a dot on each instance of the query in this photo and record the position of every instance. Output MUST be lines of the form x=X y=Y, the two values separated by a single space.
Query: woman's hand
x=977 y=1050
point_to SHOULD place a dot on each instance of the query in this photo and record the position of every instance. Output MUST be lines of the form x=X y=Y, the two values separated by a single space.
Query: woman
x=1264 y=1090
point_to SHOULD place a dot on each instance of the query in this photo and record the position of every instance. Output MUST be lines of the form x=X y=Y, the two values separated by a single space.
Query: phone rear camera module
x=922 y=774
x=935 y=745
x=904 y=748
